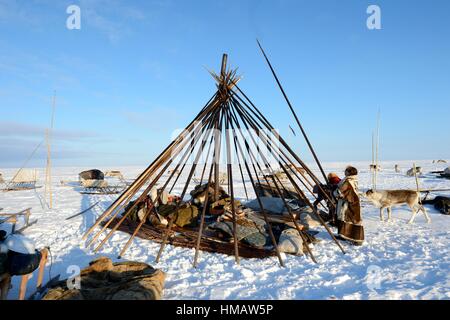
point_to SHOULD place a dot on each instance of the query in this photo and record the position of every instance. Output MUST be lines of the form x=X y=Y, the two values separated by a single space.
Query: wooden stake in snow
x=48 y=172
x=375 y=159
x=372 y=168
x=377 y=148
x=417 y=182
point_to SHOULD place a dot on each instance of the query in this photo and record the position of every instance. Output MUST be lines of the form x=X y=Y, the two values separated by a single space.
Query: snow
x=397 y=260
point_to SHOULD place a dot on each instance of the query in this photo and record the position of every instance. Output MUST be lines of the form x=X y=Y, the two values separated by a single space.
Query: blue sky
x=135 y=72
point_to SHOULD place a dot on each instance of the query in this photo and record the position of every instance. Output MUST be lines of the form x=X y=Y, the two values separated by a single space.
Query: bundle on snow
x=275 y=205
x=93 y=179
x=291 y=242
x=93 y=174
x=270 y=190
x=105 y=280
x=447 y=172
x=440 y=203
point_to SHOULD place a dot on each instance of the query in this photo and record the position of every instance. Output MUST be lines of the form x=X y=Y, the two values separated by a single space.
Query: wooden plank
x=23 y=286
x=42 y=263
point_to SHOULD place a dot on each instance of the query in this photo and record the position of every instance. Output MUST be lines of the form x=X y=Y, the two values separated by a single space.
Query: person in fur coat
x=349 y=208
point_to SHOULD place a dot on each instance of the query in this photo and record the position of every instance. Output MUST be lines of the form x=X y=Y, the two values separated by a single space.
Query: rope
x=25 y=163
x=51 y=264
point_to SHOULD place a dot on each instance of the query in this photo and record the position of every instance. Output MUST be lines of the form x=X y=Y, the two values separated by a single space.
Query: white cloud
x=25 y=130
x=112 y=18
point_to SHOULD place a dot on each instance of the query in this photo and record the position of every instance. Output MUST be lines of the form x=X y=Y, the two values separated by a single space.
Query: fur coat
x=349 y=210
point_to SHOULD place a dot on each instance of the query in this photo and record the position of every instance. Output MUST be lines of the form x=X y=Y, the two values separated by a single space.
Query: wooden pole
x=42 y=263
x=278 y=151
x=274 y=178
x=224 y=92
x=260 y=116
x=294 y=114
x=141 y=197
x=372 y=168
x=48 y=180
x=202 y=218
x=23 y=286
x=230 y=185
x=309 y=203
x=48 y=174
x=146 y=174
x=417 y=182
x=171 y=222
x=266 y=219
x=193 y=144
x=376 y=150
x=173 y=153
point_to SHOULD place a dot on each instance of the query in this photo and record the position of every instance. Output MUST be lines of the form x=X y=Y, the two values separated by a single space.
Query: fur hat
x=332 y=175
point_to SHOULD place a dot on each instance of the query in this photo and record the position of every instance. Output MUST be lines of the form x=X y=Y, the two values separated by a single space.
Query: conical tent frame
x=219 y=126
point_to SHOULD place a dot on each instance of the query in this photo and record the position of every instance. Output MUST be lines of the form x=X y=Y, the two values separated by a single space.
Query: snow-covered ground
x=397 y=261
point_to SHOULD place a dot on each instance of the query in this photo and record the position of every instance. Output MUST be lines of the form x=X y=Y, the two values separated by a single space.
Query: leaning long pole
x=141 y=197
x=48 y=175
x=372 y=169
x=294 y=114
x=275 y=179
x=183 y=193
x=230 y=185
x=376 y=150
x=263 y=211
x=144 y=176
x=417 y=182
x=308 y=202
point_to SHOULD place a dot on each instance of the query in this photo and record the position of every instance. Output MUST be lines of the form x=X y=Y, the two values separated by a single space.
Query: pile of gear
x=440 y=203
x=446 y=173
x=251 y=227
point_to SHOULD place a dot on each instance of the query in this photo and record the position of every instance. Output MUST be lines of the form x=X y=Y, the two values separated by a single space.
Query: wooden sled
x=14 y=218
x=185 y=238
x=100 y=187
x=21 y=187
x=102 y=191
x=5 y=279
x=24 y=179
